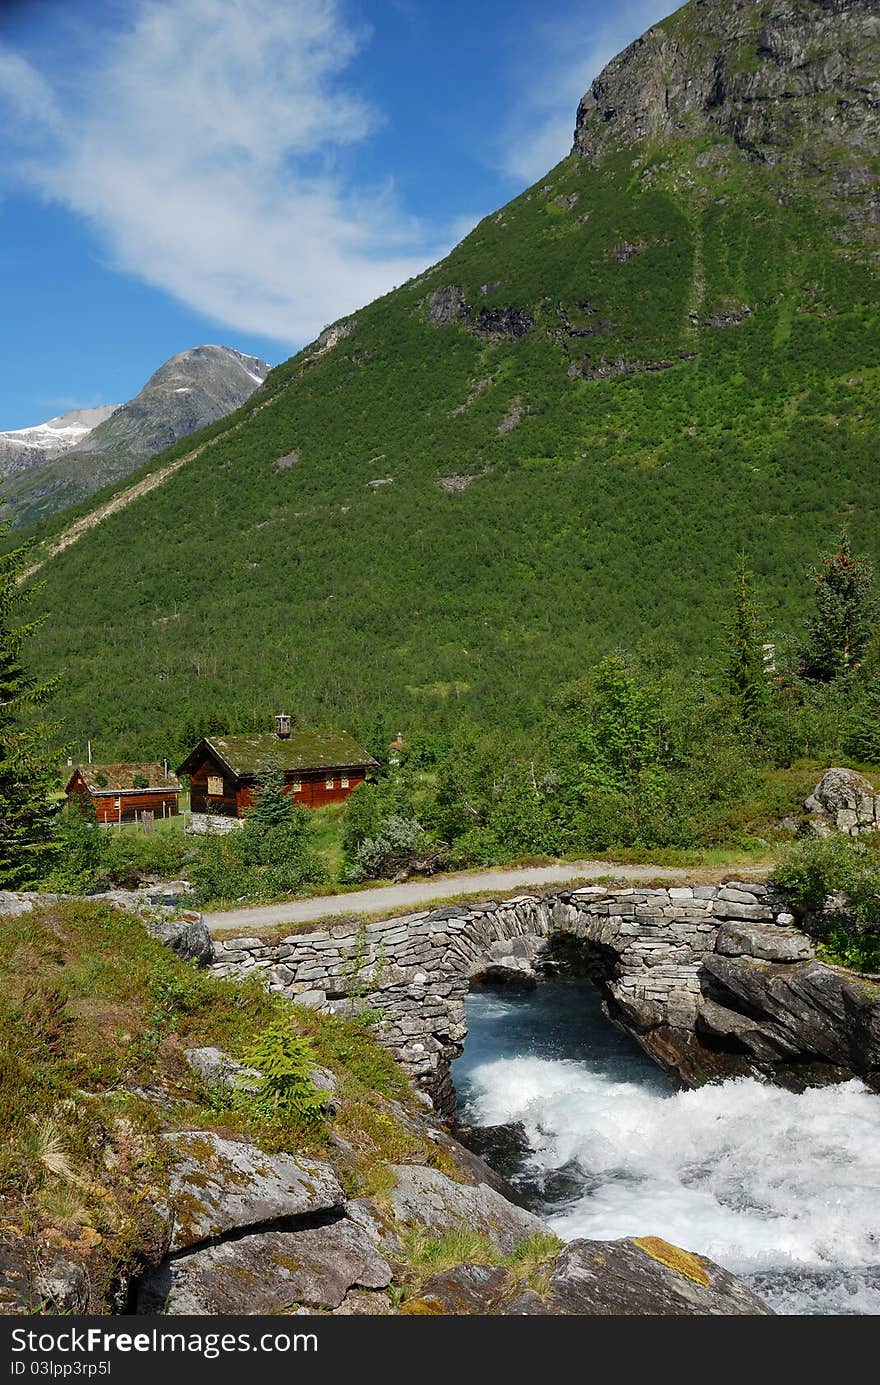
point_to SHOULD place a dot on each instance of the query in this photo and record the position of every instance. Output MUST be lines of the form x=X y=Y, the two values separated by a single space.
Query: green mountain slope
x=552 y=443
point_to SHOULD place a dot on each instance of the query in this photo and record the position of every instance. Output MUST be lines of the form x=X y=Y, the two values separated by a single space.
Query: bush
x=856 y=948
x=127 y=858
x=369 y=806
x=259 y=862
x=79 y=849
x=816 y=868
x=400 y=844
x=836 y=879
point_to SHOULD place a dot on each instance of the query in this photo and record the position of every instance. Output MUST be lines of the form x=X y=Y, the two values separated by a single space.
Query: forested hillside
x=551 y=445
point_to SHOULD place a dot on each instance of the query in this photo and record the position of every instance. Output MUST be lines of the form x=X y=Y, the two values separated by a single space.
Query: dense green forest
x=550 y=447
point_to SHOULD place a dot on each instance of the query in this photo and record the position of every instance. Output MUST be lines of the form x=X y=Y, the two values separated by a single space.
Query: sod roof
x=126 y=777
x=302 y=750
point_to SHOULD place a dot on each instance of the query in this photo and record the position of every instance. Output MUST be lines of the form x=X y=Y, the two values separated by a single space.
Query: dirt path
x=82 y=526
x=418 y=893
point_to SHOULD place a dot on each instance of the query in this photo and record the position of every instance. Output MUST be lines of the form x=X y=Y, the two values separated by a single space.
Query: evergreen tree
x=744 y=672
x=843 y=621
x=862 y=740
x=272 y=806
x=26 y=770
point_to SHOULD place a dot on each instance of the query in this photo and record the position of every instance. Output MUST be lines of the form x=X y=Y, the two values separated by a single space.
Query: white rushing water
x=781 y=1188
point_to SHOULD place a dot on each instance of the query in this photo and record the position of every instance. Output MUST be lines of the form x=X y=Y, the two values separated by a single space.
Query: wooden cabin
x=318 y=767
x=122 y=792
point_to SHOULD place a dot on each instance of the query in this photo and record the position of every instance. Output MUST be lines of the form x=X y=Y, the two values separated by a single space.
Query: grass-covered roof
x=302 y=750
x=127 y=777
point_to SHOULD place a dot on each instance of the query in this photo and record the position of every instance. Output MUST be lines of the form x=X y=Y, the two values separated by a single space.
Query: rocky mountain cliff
x=794 y=81
x=552 y=443
x=73 y=456
x=21 y=448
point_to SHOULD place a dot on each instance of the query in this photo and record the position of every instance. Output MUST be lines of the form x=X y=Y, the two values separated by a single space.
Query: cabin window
x=215 y=786
x=297 y=786
x=329 y=781
x=116 y=805
x=343 y=783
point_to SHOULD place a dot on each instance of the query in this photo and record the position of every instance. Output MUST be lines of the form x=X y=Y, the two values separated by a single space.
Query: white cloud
x=559 y=63
x=206 y=144
x=28 y=96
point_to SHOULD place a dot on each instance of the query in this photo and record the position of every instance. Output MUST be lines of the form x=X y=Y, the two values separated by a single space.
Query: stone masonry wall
x=649 y=946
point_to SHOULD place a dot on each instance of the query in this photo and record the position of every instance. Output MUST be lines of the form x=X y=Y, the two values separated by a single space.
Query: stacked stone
x=415 y=970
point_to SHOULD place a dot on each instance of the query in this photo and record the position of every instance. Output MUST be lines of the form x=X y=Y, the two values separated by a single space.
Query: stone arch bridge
x=711 y=979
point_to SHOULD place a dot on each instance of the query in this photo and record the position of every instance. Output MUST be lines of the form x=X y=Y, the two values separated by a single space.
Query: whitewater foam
x=781 y=1188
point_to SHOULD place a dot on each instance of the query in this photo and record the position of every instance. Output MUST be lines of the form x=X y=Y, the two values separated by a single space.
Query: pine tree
x=26 y=770
x=862 y=739
x=846 y=610
x=744 y=671
x=272 y=806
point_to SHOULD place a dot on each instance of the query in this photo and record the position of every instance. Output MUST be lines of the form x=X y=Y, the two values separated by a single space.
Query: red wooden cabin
x=318 y=767
x=121 y=792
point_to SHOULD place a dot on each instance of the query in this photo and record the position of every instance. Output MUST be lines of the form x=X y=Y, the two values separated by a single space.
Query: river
x=781 y=1188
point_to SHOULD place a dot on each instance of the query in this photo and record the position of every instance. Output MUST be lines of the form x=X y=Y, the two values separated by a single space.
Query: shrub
x=127 y=858
x=286 y=1061
x=836 y=879
x=817 y=868
x=856 y=948
x=80 y=847
x=369 y=806
x=259 y=862
x=400 y=844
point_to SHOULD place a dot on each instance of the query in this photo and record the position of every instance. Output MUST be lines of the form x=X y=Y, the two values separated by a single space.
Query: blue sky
x=246 y=171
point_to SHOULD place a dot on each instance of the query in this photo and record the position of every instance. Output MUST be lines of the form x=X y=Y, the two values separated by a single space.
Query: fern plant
x=286 y=1062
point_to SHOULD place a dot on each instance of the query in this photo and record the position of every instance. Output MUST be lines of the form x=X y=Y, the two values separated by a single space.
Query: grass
x=93 y=1011
x=327 y=836
x=427 y=1253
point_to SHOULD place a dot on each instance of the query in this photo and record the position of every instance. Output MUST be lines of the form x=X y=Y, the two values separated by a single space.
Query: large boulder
x=427 y=1198
x=189 y=938
x=220 y=1186
x=268 y=1272
x=647 y=1277
x=639 y=1278
x=216 y=1068
x=770 y=943
x=845 y=801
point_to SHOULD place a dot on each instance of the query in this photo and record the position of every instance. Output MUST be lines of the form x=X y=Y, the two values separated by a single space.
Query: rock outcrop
x=218 y=1186
x=845 y=801
x=268 y=1272
x=255 y=1233
x=779 y=79
x=57 y=1285
x=448 y=304
x=425 y=1197
x=646 y=1277
x=794 y=1013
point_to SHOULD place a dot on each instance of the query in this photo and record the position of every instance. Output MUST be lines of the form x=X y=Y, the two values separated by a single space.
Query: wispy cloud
x=208 y=148
x=558 y=62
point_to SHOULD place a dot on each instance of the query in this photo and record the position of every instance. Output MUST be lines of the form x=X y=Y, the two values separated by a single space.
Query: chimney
x=282 y=726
